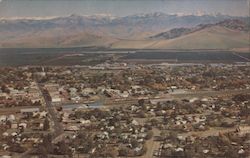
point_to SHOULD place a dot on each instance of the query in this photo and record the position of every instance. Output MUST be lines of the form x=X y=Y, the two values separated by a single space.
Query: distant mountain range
x=156 y=30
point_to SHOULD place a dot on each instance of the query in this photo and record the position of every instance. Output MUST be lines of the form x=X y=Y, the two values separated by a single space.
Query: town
x=126 y=110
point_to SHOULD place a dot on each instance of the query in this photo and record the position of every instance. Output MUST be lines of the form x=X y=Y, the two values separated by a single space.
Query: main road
x=56 y=125
x=54 y=117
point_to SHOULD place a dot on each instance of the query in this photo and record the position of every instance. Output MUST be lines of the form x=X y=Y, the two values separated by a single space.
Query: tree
x=141 y=102
x=143 y=151
x=163 y=135
x=154 y=122
x=141 y=114
x=5 y=89
x=14 y=147
x=113 y=152
x=42 y=151
x=47 y=143
x=149 y=134
x=123 y=151
x=85 y=141
x=63 y=148
x=134 y=143
x=46 y=125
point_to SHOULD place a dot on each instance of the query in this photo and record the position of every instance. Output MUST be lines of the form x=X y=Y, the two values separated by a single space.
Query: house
x=29 y=111
x=14 y=125
x=11 y=118
x=88 y=91
x=22 y=125
x=3 y=118
x=3 y=96
x=71 y=128
x=55 y=99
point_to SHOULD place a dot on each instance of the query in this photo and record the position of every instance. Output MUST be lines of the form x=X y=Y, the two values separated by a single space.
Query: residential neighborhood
x=126 y=110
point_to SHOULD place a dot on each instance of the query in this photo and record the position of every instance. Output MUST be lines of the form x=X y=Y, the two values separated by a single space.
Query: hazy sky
x=38 y=8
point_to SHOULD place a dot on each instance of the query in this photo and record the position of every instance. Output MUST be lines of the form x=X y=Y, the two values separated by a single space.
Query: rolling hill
x=227 y=34
x=215 y=37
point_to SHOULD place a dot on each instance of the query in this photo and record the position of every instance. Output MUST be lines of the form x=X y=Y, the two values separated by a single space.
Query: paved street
x=57 y=126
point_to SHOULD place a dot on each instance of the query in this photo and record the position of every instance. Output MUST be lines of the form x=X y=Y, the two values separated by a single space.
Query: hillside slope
x=50 y=41
x=216 y=37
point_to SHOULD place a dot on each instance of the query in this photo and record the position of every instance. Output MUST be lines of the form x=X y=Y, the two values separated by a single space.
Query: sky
x=48 y=8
